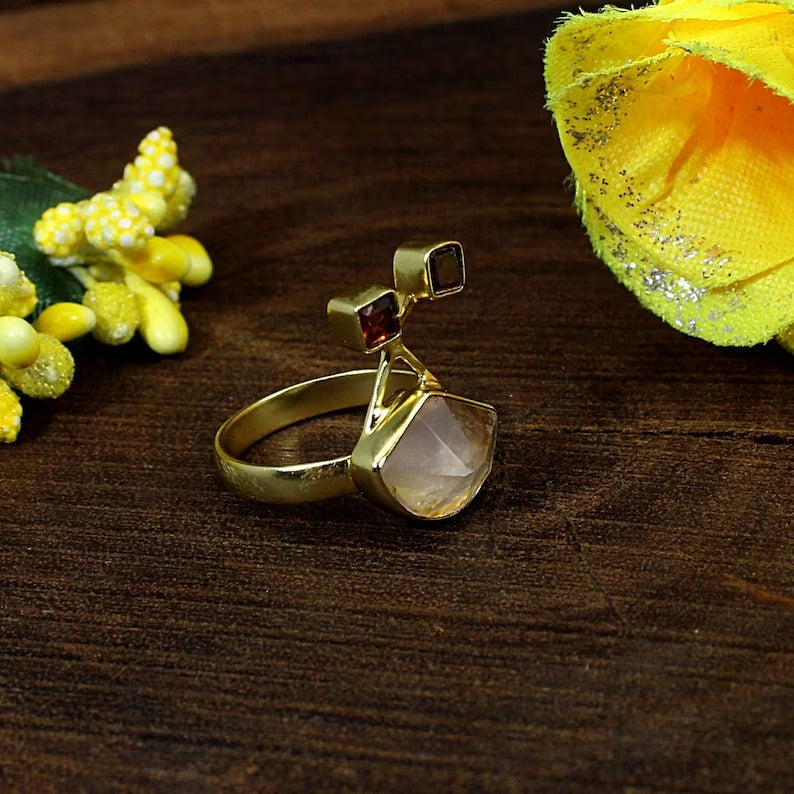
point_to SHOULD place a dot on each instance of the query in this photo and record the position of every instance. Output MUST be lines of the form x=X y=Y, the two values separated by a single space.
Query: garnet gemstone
x=379 y=321
x=442 y=457
x=445 y=267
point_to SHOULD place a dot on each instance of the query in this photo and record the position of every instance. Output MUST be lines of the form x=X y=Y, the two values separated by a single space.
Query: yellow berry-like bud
x=65 y=321
x=162 y=325
x=200 y=270
x=59 y=231
x=178 y=203
x=49 y=376
x=113 y=222
x=116 y=309
x=160 y=261
x=151 y=204
x=25 y=300
x=10 y=414
x=19 y=342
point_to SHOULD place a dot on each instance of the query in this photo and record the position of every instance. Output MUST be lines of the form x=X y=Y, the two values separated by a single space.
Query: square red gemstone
x=445 y=268
x=379 y=321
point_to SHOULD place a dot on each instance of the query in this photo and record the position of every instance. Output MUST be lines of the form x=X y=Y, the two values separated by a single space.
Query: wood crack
x=576 y=542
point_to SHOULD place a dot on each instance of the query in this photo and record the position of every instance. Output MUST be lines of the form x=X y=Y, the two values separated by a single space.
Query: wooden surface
x=615 y=612
x=57 y=39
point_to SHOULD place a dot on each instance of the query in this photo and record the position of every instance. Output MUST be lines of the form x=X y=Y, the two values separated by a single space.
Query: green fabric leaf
x=26 y=190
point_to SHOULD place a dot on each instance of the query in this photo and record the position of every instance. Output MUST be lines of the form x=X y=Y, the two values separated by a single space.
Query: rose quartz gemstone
x=442 y=457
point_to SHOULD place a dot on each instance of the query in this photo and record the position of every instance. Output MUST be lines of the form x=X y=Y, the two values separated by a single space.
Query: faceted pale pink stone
x=442 y=458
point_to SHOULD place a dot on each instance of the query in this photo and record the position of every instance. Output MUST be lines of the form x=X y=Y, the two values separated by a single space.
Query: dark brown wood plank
x=615 y=612
x=60 y=39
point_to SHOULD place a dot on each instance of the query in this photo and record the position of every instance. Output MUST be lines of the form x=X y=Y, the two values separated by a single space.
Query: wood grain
x=615 y=611
x=58 y=39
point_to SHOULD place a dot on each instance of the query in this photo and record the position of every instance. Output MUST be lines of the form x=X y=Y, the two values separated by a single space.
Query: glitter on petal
x=676 y=119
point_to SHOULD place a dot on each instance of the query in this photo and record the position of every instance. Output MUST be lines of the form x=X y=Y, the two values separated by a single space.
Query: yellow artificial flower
x=131 y=277
x=111 y=239
x=677 y=122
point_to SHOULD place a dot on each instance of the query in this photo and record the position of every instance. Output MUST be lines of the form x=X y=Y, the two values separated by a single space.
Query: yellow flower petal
x=676 y=121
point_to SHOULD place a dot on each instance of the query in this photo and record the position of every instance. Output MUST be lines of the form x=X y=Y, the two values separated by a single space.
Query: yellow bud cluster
x=59 y=232
x=10 y=414
x=178 y=203
x=156 y=167
x=33 y=359
x=156 y=171
x=154 y=193
x=132 y=277
x=113 y=223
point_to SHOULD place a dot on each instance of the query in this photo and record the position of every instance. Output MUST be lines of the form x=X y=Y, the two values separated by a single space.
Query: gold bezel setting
x=414 y=487
x=366 y=320
x=429 y=270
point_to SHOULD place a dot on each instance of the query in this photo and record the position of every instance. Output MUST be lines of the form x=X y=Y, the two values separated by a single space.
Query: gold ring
x=423 y=452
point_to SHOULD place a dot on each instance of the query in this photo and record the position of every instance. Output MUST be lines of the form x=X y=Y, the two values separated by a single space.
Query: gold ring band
x=302 y=482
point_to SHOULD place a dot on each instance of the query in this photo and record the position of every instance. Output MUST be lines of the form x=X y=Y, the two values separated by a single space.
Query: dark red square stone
x=445 y=267
x=379 y=321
